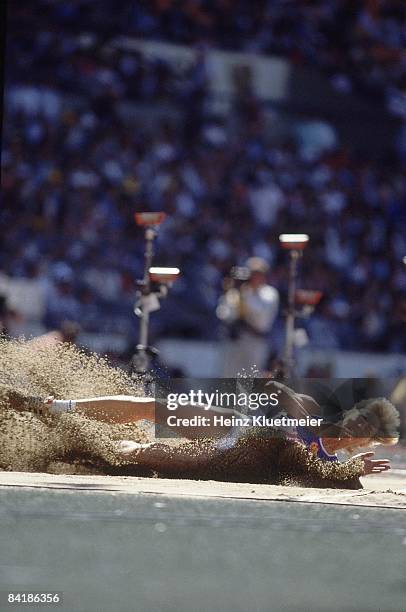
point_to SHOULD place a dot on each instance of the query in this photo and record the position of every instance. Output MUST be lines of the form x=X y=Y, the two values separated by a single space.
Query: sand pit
x=386 y=491
x=73 y=444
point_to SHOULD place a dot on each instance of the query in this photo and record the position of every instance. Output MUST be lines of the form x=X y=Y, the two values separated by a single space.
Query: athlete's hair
x=382 y=421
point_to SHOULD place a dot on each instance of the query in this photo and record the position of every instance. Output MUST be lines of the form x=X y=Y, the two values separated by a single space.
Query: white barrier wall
x=25 y=296
x=204 y=359
x=349 y=364
x=196 y=359
x=270 y=75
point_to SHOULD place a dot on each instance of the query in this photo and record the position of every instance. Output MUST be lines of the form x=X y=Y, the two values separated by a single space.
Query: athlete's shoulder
x=314 y=444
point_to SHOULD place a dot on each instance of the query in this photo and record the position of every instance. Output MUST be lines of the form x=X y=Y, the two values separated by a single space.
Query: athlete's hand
x=373 y=466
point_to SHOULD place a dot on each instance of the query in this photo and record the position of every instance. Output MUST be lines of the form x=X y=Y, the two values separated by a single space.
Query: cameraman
x=248 y=307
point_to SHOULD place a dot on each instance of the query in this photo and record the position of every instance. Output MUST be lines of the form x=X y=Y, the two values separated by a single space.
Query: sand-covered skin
x=257 y=456
x=72 y=443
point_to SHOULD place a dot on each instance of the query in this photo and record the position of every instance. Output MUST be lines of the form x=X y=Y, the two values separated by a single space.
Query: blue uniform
x=314 y=444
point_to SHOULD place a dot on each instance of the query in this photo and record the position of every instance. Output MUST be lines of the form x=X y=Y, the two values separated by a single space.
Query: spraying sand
x=31 y=442
x=72 y=443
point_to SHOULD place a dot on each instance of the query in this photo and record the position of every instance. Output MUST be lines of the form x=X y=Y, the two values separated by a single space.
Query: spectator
x=73 y=172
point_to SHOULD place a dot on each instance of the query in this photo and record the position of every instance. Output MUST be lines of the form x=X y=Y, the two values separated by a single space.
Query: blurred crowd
x=73 y=175
x=359 y=44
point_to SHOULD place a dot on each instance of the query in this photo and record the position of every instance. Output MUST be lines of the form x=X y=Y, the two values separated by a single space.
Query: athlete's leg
x=117 y=408
x=127 y=409
x=111 y=409
x=130 y=409
x=124 y=409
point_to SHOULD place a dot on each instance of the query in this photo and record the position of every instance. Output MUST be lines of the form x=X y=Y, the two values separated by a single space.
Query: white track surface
x=388 y=490
x=128 y=544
